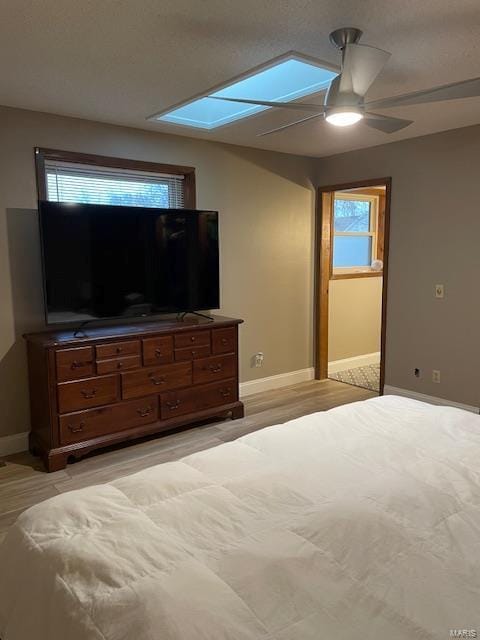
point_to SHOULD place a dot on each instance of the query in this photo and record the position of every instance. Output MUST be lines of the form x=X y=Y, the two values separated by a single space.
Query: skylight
x=283 y=81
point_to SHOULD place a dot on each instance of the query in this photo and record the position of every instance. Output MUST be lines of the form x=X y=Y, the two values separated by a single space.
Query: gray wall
x=435 y=238
x=266 y=220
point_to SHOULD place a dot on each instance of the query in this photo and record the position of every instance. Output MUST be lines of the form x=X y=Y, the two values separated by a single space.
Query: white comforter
x=360 y=522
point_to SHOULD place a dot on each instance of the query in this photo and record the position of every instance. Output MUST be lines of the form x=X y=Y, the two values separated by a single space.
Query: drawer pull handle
x=119 y=349
x=173 y=405
x=158 y=353
x=215 y=368
x=144 y=412
x=77 y=365
x=225 y=392
x=224 y=341
x=88 y=394
x=157 y=381
x=76 y=428
x=193 y=353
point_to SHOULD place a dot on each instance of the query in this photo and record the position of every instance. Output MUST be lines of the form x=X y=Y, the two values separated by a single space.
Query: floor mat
x=367 y=377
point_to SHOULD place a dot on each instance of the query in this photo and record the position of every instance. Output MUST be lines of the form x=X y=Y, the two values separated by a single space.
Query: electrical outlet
x=439 y=291
x=436 y=376
x=416 y=372
x=258 y=359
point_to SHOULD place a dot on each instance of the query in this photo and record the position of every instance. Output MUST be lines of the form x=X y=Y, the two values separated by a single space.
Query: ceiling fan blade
x=361 y=65
x=297 y=106
x=464 y=89
x=290 y=124
x=386 y=124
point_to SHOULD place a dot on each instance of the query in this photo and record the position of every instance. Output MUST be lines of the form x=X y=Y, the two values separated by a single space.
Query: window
x=69 y=177
x=287 y=78
x=355 y=233
x=101 y=185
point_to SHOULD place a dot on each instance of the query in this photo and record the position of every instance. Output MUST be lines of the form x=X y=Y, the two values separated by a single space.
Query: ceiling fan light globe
x=343 y=118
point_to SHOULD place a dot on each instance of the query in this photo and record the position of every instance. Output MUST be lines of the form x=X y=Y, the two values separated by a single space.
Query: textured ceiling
x=119 y=61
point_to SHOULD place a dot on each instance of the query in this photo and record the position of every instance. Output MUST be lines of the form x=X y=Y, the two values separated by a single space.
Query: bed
x=362 y=522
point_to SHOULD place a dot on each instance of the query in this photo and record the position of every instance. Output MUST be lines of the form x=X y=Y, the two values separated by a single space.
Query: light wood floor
x=23 y=482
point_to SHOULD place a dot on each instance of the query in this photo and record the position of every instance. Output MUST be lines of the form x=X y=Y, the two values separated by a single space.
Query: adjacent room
x=356 y=283
x=239 y=391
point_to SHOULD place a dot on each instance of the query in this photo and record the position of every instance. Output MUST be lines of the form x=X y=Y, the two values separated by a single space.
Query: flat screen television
x=102 y=261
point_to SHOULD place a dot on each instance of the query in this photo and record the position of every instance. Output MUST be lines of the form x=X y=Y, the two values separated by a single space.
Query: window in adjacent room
x=355 y=233
x=70 y=177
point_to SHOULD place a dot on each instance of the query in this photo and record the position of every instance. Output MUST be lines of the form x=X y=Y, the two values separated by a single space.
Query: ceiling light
x=343 y=118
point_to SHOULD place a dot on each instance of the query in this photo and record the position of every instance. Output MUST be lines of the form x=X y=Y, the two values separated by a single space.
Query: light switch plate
x=439 y=291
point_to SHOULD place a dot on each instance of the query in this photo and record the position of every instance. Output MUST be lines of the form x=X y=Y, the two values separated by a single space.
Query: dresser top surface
x=65 y=337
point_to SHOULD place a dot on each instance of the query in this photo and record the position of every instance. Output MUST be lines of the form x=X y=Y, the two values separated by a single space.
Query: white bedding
x=362 y=522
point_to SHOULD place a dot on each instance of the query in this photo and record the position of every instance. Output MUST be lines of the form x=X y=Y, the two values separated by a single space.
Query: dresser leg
x=238 y=411
x=55 y=461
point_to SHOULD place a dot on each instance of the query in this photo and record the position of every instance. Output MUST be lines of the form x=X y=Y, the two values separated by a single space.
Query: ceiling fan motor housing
x=338 y=101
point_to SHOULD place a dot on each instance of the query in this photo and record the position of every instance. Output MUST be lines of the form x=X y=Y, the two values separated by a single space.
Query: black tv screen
x=104 y=261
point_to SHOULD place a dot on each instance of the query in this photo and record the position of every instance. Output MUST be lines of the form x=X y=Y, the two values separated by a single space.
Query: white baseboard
x=13 y=444
x=415 y=395
x=357 y=361
x=275 y=382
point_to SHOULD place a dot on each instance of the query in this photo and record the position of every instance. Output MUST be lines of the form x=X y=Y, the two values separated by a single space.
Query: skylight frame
x=290 y=55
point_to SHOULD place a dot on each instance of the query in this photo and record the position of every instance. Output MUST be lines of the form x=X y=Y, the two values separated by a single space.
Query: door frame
x=323 y=250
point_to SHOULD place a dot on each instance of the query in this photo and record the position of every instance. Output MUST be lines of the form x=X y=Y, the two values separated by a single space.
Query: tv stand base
x=195 y=313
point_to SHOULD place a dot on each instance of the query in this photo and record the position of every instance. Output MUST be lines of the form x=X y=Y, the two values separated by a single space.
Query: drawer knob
x=88 y=394
x=192 y=338
x=225 y=392
x=76 y=428
x=119 y=349
x=224 y=341
x=158 y=353
x=173 y=405
x=215 y=368
x=144 y=411
x=157 y=381
x=119 y=365
x=193 y=353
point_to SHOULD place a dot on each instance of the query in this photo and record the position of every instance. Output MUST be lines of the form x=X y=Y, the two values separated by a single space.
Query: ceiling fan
x=345 y=103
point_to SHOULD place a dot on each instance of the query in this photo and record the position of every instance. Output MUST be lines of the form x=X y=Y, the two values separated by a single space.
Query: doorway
x=351 y=266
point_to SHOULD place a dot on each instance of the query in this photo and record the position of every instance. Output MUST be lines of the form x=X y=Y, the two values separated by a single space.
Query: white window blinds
x=69 y=182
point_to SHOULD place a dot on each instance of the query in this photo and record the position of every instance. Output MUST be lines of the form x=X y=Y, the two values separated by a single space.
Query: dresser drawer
x=92 y=423
x=192 y=353
x=91 y=392
x=224 y=340
x=73 y=364
x=192 y=338
x=115 y=349
x=144 y=382
x=177 y=403
x=118 y=364
x=214 y=368
x=158 y=350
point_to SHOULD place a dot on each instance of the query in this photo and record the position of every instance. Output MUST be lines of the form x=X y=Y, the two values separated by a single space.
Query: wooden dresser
x=122 y=382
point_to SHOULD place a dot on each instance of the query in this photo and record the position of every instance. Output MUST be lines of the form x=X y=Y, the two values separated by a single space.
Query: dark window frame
x=42 y=154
